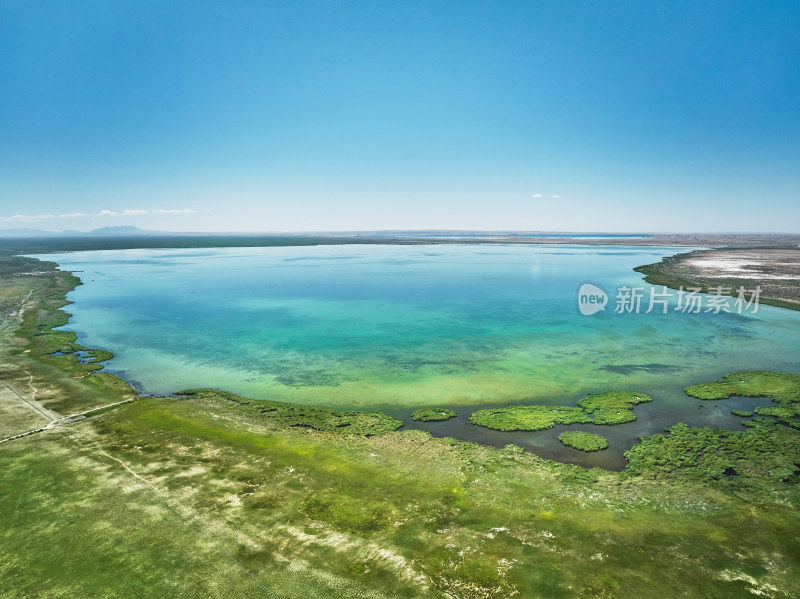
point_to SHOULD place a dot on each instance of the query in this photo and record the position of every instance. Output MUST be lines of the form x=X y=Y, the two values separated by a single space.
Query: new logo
x=591 y=299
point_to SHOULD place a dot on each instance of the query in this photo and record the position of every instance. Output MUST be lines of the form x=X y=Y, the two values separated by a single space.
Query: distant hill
x=122 y=231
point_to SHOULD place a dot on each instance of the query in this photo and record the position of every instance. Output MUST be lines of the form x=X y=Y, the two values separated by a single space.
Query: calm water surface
x=400 y=327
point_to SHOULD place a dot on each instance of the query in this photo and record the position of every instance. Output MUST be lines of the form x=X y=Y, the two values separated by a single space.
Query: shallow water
x=399 y=327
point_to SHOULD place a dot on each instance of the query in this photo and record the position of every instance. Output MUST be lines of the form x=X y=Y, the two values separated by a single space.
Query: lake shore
x=77 y=243
x=775 y=270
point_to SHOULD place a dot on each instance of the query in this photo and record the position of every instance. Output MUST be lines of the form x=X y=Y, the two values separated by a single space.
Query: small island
x=608 y=407
x=583 y=441
x=433 y=414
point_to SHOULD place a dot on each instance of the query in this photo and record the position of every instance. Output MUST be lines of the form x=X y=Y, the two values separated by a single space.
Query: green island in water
x=107 y=492
x=583 y=441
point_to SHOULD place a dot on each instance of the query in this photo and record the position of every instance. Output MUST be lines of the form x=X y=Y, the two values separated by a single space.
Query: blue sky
x=290 y=116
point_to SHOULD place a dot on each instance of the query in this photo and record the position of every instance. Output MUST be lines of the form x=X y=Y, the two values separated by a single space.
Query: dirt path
x=11 y=319
x=31 y=402
x=56 y=421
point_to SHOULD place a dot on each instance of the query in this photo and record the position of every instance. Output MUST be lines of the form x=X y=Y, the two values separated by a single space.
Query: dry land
x=776 y=271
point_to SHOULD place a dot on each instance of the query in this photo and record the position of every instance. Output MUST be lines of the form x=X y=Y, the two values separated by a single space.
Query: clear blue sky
x=232 y=115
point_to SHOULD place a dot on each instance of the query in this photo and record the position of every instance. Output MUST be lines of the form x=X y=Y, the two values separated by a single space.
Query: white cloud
x=537 y=195
x=37 y=217
x=128 y=212
x=556 y=196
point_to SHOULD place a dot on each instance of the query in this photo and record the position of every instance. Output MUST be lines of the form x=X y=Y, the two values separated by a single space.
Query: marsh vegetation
x=610 y=407
x=433 y=414
x=583 y=441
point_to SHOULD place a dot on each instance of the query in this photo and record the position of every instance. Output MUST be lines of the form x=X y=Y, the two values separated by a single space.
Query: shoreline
x=32 y=245
x=776 y=270
x=461 y=428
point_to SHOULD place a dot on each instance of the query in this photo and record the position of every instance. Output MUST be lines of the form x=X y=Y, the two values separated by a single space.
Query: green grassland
x=41 y=361
x=208 y=499
x=282 y=415
x=15 y=416
x=760 y=465
x=210 y=495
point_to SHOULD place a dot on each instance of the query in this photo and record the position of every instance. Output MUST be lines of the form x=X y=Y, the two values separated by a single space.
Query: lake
x=397 y=327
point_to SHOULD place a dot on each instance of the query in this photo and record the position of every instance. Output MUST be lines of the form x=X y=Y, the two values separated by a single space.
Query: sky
x=591 y=116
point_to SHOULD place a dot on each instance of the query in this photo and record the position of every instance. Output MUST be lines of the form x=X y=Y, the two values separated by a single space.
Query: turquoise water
x=395 y=328
x=402 y=326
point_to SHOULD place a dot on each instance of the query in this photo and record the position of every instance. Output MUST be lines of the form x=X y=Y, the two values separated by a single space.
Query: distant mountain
x=121 y=231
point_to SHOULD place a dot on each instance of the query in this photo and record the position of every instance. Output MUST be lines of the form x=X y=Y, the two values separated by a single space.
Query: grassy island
x=613 y=407
x=433 y=414
x=583 y=441
x=610 y=407
x=528 y=418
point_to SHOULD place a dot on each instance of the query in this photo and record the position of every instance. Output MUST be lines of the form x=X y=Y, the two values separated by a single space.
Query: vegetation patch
x=283 y=415
x=70 y=378
x=764 y=459
x=783 y=388
x=613 y=407
x=780 y=386
x=610 y=407
x=742 y=413
x=433 y=414
x=528 y=418
x=583 y=441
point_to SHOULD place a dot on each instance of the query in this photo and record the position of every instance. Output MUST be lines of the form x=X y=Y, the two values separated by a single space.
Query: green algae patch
x=433 y=414
x=613 y=407
x=282 y=415
x=783 y=388
x=528 y=418
x=583 y=441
